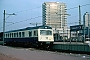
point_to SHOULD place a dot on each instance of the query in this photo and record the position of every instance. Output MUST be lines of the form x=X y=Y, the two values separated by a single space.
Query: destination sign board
x=76 y=28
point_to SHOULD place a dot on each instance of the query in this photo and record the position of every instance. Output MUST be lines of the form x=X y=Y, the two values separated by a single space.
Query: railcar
x=33 y=36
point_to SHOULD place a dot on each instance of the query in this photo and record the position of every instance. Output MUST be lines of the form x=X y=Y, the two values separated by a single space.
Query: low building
x=61 y=34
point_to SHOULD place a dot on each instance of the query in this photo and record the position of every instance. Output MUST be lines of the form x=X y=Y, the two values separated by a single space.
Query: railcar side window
x=19 y=34
x=14 y=34
x=35 y=33
x=6 y=35
x=23 y=34
x=30 y=33
x=10 y=35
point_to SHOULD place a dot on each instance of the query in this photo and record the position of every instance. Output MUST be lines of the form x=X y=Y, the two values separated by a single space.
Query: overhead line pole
x=88 y=27
x=3 y=27
x=79 y=15
x=79 y=22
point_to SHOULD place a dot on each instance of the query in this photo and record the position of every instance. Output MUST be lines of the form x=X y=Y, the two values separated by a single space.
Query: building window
x=23 y=34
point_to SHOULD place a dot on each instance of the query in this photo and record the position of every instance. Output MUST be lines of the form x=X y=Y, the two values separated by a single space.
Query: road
x=32 y=54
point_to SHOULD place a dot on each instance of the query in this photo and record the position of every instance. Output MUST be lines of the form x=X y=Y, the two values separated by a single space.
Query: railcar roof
x=30 y=28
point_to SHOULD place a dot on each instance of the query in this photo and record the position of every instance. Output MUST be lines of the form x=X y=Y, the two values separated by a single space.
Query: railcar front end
x=45 y=37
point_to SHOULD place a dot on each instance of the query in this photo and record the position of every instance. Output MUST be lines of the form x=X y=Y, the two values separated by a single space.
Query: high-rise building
x=86 y=19
x=54 y=14
x=86 y=23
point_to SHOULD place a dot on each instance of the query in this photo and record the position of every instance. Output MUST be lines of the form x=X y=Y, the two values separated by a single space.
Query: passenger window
x=30 y=33
x=23 y=34
x=12 y=35
x=8 y=35
x=5 y=35
x=35 y=33
x=19 y=34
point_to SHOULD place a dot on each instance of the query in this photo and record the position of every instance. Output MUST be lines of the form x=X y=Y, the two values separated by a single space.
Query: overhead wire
x=22 y=21
x=77 y=7
x=28 y=9
x=74 y=22
x=39 y=16
x=74 y=8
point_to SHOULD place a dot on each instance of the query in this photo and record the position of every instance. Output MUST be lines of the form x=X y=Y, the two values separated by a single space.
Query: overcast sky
x=30 y=11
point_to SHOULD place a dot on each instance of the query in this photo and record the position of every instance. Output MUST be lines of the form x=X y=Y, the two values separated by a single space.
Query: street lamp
x=4 y=24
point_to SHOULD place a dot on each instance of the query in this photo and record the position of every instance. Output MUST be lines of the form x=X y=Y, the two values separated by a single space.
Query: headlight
x=50 y=38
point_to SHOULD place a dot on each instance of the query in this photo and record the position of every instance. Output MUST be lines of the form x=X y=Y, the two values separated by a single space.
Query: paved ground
x=30 y=54
x=5 y=57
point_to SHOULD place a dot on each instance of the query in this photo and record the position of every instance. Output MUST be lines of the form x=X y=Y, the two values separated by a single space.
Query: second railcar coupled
x=32 y=36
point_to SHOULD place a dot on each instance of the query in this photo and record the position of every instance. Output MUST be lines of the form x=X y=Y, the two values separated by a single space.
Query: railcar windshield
x=45 y=32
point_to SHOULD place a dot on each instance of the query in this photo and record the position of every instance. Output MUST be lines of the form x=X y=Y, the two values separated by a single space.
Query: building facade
x=54 y=14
